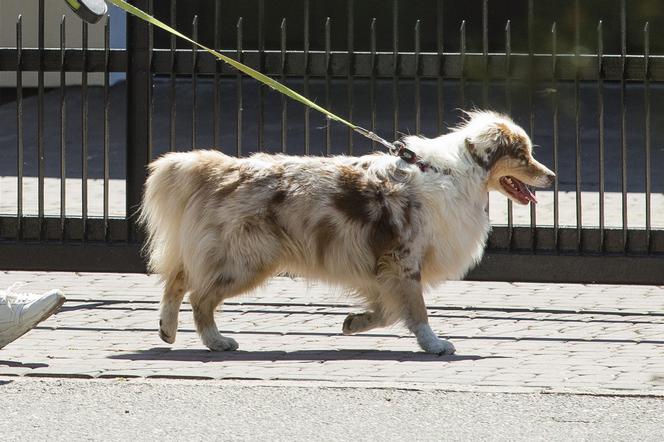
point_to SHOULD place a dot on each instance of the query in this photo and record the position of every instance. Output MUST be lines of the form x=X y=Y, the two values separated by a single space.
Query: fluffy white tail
x=173 y=179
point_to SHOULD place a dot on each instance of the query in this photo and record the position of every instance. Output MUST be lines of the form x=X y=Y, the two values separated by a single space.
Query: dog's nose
x=551 y=177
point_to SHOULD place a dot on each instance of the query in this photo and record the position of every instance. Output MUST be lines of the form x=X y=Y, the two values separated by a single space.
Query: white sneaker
x=20 y=312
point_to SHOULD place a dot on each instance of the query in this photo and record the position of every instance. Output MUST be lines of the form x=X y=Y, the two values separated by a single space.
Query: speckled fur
x=219 y=226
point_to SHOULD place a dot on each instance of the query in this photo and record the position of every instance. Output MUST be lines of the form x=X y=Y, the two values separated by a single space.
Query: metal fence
x=79 y=153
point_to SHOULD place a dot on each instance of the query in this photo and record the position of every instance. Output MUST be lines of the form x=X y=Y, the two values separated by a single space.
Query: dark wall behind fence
x=598 y=121
x=544 y=13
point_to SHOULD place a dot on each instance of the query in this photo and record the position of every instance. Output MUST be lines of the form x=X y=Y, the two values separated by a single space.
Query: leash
x=130 y=9
x=92 y=11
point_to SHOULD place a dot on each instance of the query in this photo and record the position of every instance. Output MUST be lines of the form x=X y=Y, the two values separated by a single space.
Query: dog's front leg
x=430 y=342
x=416 y=319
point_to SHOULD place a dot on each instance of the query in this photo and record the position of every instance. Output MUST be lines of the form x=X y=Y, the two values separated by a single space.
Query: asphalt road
x=109 y=410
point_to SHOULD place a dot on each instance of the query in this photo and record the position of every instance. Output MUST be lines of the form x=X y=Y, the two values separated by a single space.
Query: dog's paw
x=359 y=322
x=222 y=344
x=430 y=342
x=439 y=347
x=352 y=323
x=166 y=336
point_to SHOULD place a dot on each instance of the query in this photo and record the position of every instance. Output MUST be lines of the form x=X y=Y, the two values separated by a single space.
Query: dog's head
x=505 y=151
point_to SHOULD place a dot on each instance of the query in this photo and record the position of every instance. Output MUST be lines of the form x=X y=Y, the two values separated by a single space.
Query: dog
x=385 y=227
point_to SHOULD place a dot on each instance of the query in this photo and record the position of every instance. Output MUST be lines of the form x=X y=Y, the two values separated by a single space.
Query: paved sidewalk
x=509 y=337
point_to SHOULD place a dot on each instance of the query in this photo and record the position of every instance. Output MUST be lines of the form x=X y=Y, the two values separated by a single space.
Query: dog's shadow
x=15 y=364
x=167 y=354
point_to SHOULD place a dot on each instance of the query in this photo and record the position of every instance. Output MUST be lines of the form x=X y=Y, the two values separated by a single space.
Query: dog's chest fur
x=457 y=227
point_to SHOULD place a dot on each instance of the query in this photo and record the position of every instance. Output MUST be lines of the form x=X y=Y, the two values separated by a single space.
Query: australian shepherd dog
x=382 y=227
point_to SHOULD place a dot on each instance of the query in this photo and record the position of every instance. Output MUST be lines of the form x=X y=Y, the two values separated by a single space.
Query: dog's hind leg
x=170 y=307
x=204 y=304
x=376 y=316
x=405 y=296
x=361 y=322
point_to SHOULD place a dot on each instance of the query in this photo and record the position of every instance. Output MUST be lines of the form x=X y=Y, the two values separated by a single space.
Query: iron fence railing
x=597 y=116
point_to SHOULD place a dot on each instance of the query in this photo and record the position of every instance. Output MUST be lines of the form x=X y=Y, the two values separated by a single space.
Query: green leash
x=252 y=73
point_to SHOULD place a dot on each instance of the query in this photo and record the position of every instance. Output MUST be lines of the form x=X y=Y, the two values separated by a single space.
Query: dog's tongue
x=525 y=191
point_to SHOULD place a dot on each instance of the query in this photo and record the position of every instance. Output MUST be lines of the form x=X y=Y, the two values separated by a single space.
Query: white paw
x=439 y=347
x=430 y=342
x=221 y=343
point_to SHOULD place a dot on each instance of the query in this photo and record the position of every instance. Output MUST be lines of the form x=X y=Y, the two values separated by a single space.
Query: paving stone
x=509 y=336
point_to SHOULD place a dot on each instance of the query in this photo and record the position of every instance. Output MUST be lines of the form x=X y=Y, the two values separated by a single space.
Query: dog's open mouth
x=518 y=190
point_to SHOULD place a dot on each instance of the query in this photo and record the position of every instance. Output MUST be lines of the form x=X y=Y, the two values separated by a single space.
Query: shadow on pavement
x=20 y=364
x=165 y=354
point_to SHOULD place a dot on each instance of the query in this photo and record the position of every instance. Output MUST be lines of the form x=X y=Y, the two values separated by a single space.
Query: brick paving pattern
x=509 y=336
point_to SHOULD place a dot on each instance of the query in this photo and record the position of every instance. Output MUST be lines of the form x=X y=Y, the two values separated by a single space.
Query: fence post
x=139 y=99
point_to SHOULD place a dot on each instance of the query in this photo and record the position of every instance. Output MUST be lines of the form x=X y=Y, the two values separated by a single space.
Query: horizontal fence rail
x=450 y=65
x=76 y=170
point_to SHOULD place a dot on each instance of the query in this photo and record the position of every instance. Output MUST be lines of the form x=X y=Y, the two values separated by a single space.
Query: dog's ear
x=496 y=141
x=504 y=135
x=495 y=134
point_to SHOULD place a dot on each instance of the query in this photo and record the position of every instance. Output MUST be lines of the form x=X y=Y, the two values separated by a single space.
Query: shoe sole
x=42 y=318
x=91 y=13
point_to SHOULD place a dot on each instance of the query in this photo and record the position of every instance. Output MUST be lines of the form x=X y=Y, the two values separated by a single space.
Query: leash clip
x=396 y=147
x=406 y=154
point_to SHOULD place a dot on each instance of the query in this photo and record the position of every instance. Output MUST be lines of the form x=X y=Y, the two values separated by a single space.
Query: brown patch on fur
x=277 y=174
x=403 y=251
x=429 y=266
x=383 y=237
x=224 y=190
x=224 y=281
x=415 y=275
x=520 y=153
x=272 y=214
x=513 y=150
x=231 y=180
x=508 y=144
x=306 y=222
x=353 y=200
x=360 y=163
x=357 y=199
x=324 y=234
x=252 y=225
x=509 y=136
x=273 y=180
x=278 y=197
x=408 y=212
x=500 y=151
x=513 y=145
x=478 y=159
x=516 y=151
